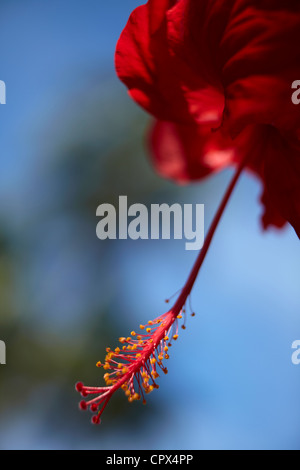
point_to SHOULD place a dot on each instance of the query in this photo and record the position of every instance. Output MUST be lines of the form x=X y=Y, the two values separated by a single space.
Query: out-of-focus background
x=71 y=139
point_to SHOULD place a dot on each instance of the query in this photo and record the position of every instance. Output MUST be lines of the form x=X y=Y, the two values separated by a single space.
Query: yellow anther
x=130 y=399
x=122 y=340
x=127 y=393
x=142 y=327
x=128 y=339
x=154 y=374
x=124 y=387
x=153 y=360
x=179 y=317
x=106 y=376
x=166 y=338
x=136 y=396
x=151 y=340
x=139 y=337
x=148 y=330
x=129 y=348
x=166 y=348
x=160 y=357
x=124 y=370
x=108 y=349
x=138 y=355
x=134 y=347
x=124 y=348
x=117 y=350
x=175 y=337
x=167 y=356
x=144 y=374
x=150 y=322
x=140 y=343
x=99 y=364
x=106 y=366
x=120 y=366
x=133 y=333
x=109 y=382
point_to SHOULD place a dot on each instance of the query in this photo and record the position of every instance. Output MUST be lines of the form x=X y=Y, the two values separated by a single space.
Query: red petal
x=157 y=13
x=189 y=152
x=282 y=178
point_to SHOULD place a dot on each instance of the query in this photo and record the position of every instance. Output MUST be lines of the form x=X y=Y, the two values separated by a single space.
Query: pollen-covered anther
x=133 y=333
x=175 y=337
x=142 y=327
x=154 y=374
x=153 y=360
x=179 y=317
x=99 y=364
x=148 y=330
x=122 y=340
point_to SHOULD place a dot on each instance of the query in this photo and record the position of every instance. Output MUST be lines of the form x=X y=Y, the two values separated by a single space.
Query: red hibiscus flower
x=217 y=76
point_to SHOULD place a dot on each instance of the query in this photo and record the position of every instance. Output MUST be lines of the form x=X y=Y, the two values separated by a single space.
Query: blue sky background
x=231 y=382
